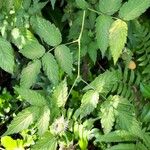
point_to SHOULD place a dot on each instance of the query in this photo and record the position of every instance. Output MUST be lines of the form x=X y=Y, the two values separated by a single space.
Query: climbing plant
x=79 y=74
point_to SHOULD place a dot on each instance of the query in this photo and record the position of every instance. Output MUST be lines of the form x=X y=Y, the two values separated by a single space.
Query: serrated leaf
x=64 y=58
x=32 y=50
x=31 y=96
x=109 y=7
x=133 y=9
x=88 y=103
x=29 y=74
x=117 y=38
x=60 y=94
x=103 y=24
x=122 y=147
x=47 y=142
x=92 y=51
x=23 y=120
x=6 y=56
x=104 y=82
x=117 y=136
x=108 y=114
x=43 y=121
x=50 y=68
x=53 y=3
x=82 y=4
x=46 y=31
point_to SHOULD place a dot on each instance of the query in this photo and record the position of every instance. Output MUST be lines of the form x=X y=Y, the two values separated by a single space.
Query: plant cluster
x=80 y=74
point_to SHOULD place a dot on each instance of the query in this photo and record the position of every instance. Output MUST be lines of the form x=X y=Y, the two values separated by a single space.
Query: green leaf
x=122 y=147
x=10 y=143
x=92 y=51
x=117 y=136
x=47 y=142
x=133 y=9
x=43 y=121
x=117 y=38
x=32 y=50
x=145 y=89
x=23 y=120
x=82 y=4
x=103 y=24
x=46 y=31
x=64 y=58
x=109 y=7
x=30 y=73
x=88 y=103
x=53 y=3
x=31 y=96
x=108 y=114
x=60 y=94
x=6 y=56
x=50 y=68
x=104 y=82
x=17 y=4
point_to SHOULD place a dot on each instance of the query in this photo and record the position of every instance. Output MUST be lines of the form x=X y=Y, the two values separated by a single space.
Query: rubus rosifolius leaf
x=50 y=68
x=32 y=50
x=64 y=58
x=60 y=94
x=103 y=23
x=23 y=120
x=133 y=9
x=104 y=82
x=30 y=73
x=109 y=7
x=46 y=31
x=89 y=102
x=31 y=96
x=117 y=38
x=46 y=142
x=7 y=61
x=43 y=120
x=82 y=4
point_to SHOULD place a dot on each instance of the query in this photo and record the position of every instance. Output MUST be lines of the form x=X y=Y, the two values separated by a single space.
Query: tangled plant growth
x=79 y=74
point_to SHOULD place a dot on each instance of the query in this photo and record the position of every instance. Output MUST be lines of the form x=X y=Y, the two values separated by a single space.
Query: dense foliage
x=75 y=74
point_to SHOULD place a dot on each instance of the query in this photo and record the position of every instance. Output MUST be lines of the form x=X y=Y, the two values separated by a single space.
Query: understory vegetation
x=75 y=74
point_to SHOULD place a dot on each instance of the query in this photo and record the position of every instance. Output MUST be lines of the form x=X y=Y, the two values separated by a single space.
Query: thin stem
x=79 y=53
x=95 y=11
x=72 y=42
x=79 y=43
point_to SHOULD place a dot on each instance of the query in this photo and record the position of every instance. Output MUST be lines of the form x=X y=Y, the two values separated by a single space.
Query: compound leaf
x=117 y=38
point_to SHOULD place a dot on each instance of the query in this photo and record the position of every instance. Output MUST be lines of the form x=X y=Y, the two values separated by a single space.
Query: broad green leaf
x=30 y=73
x=53 y=3
x=32 y=50
x=88 y=103
x=6 y=56
x=82 y=4
x=123 y=147
x=133 y=9
x=117 y=38
x=31 y=96
x=46 y=31
x=103 y=24
x=17 y=4
x=104 y=82
x=108 y=114
x=43 y=121
x=109 y=7
x=50 y=68
x=145 y=89
x=92 y=51
x=117 y=136
x=47 y=142
x=23 y=120
x=26 y=4
x=64 y=58
x=60 y=94
x=11 y=144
